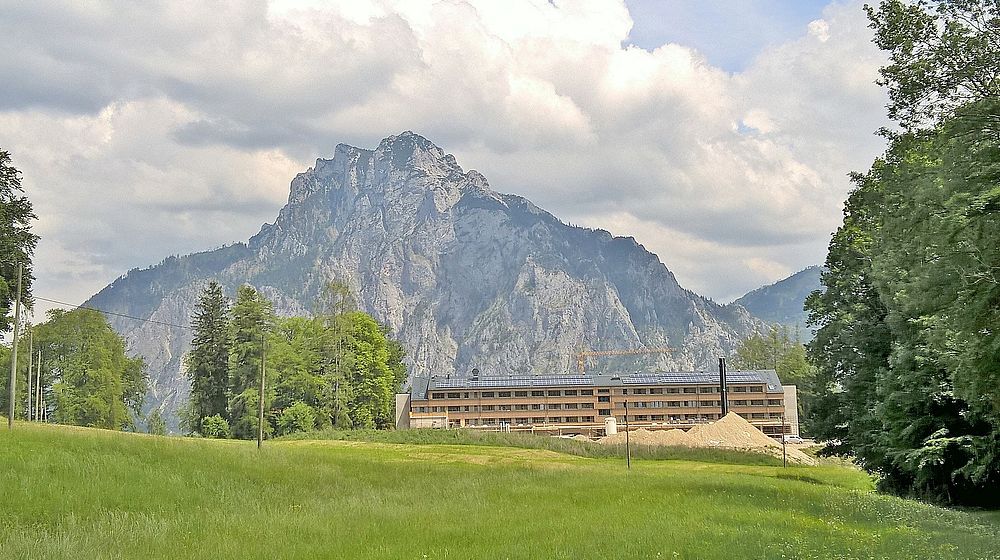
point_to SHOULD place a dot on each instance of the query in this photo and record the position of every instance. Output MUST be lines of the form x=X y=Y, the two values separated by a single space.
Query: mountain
x=783 y=301
x=461 y=275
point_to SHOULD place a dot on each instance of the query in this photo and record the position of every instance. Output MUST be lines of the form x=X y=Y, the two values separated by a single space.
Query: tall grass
x=536 y=441
x=80 y=493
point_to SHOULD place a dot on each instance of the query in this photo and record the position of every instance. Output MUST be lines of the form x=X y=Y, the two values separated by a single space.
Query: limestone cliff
x=463 y=276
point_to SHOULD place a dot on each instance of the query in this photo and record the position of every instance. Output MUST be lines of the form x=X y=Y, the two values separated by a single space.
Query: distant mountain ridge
x=462 y=275
x=783 y=301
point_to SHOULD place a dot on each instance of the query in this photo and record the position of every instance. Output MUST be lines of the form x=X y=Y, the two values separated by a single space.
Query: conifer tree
x=208 y=361
x=252 y=317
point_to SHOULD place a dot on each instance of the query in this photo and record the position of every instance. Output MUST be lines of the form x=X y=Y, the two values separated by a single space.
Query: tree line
x=79 y=374
x=337 y=369
x=908 y=343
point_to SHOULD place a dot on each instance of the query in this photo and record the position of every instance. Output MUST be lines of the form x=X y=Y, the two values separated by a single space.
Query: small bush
x=215 y=427
x=299 y=417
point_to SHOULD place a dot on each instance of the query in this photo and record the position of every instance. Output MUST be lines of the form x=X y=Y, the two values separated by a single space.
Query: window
x=465 y=395
x=454 y=409
x=505 y=407
x=738 y=389
x=570 y=392
x=587 y=418
x=738 y=403
x=572 y=418
x=487 y=394
x=553 y=393
x=586 y=392
x=756 y=389
x=538 y=393
x=465 y=409
x=675 y=404
x=504 y=394
x=538 y=420
x=587 y=405
x=656 y=417
x=775 y=402
x=555 y=406
x=656 y=391
x=536 y=407
x=488 y=408
x=673 y=390
x=570 y=406
x=710 y=403
x=758 y=415
x=604 y=412
x=642 y=418
x=690 y=389
x=708 y=390
x=437 y=395
x=624 y=391
x=520 y=393
x=639 y=392
x=776 y=415
x=555 y=419
x=603 y=391
x=454 y=395
x=757 y=402
x=606 y=398
x=520 y=407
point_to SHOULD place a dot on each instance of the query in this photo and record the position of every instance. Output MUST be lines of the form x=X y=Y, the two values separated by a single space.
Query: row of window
x=589 y=392
x=528 y=421
x=506 y=407
x=679 y=404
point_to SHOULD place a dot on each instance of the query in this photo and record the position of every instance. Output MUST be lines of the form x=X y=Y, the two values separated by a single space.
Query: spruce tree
x=208 y=361
x=251 y=317
x=17 y=243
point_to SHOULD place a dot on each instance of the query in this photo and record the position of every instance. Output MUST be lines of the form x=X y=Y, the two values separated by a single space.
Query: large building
x=581 y=404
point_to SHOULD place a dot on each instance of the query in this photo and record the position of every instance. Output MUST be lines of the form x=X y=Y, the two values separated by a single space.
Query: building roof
x=422 y=385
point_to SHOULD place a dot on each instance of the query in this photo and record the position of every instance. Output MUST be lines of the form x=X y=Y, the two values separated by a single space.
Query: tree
x=155 y=424
x=92 y=381
x=372 y=382
x=779 y=350
x=251 y=318
x=943 y=55
x=208 y=361
x=907 y=350
x=299 y=417
x=17 y=243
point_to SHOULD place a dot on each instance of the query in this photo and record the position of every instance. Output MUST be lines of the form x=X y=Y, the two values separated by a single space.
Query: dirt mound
x=731 y=432
x=734 y=432
x=643 y=436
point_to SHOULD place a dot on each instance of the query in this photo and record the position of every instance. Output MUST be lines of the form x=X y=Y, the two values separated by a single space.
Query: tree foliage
x=943 y=55
x=908 y=349
x=17 y=243
x=208 y=361
x=88 y=380
x=337 y=369
x=252 y=317
x=780 y=350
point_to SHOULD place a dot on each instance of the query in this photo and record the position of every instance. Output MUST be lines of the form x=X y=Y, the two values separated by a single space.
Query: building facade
x=579 y=404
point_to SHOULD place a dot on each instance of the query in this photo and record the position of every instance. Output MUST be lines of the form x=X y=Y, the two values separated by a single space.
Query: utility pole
x=723 y=387
x=31 y=345
x=628 y=449
x=260 y=406
x=13 y=350
x=38 y=389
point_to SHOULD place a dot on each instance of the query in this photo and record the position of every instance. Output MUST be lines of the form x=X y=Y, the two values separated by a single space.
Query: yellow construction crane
x=581 y=357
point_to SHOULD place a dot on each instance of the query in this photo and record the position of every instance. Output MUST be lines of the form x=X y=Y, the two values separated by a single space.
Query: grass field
x=80 y=493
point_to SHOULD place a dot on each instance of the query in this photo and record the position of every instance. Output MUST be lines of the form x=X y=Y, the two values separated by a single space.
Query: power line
x=112 y=313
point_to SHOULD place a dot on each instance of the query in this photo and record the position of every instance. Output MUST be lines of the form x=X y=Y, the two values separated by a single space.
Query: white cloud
x=150 y=130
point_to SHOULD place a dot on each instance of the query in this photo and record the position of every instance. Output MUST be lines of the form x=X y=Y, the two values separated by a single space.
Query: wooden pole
x=628 y=448
x=38 y=388
x=13 y=350
x=31 y=395
x=260 y=405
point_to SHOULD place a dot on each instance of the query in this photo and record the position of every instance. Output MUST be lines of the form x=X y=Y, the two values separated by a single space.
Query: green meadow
x=85 y=493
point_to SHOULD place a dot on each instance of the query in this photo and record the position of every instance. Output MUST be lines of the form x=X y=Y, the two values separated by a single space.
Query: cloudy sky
x=719 y=134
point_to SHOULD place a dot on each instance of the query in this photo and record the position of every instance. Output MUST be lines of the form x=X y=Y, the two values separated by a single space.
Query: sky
x=718 y=134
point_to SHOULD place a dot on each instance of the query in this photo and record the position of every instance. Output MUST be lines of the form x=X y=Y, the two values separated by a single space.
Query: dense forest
x=908 y=343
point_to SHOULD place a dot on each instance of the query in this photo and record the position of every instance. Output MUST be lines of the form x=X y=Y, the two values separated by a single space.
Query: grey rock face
x=463 y=276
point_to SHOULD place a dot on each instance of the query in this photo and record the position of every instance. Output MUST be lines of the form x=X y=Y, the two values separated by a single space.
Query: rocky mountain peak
x=463 y=276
